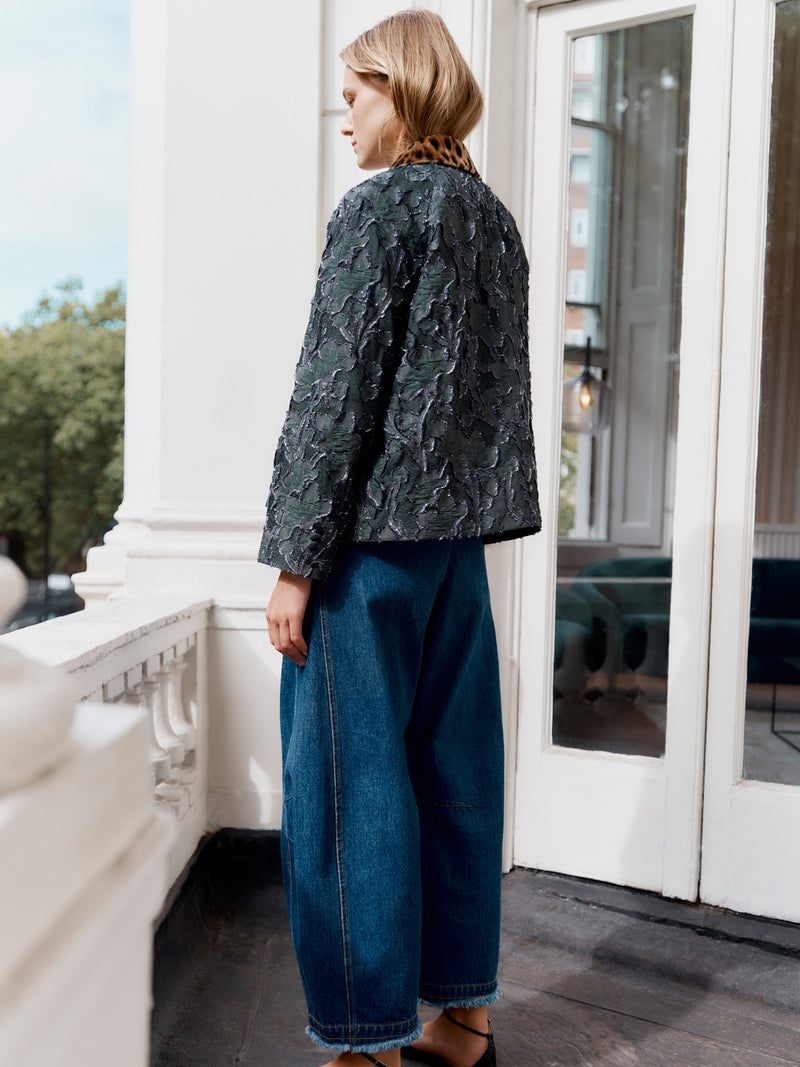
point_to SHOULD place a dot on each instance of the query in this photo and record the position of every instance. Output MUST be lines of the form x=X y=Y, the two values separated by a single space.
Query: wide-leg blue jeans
x=393 y=792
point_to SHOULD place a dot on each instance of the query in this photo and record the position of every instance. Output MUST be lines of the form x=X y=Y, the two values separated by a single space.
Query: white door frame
x=626 y=819
x=751 y=829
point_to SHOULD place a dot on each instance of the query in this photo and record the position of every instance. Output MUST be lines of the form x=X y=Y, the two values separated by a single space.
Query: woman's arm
x=341 y=388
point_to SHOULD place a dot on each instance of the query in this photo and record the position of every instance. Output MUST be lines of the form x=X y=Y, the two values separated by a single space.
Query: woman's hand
x=285 y=612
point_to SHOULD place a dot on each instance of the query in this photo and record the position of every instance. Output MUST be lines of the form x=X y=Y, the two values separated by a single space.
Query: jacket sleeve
x=340 y=392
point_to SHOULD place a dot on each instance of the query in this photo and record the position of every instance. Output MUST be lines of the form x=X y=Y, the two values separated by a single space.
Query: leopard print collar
x=438 y=149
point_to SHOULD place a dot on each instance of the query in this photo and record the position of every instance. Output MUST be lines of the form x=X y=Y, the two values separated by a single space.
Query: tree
x=568 y=486
x=61 y=421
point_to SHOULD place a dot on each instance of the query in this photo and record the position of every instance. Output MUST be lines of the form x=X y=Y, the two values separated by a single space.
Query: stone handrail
x=88 y=857
x=151 y=652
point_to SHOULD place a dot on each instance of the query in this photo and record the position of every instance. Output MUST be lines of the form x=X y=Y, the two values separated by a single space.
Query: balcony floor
x=592 y=974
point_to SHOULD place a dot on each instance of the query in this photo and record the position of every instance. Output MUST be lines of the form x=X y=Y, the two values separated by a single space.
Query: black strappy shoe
x=488 y=1059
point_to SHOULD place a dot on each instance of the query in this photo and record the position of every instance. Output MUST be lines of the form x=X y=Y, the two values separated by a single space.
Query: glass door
x=626 y=192
x=628 y=154
x=751 y=861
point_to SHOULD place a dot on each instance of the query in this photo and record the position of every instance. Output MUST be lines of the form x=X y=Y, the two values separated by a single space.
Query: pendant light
x=586 y=405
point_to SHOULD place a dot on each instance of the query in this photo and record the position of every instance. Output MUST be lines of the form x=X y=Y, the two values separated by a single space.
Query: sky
x=64 y=87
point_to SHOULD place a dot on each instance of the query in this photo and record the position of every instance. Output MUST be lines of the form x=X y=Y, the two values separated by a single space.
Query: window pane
x=772 y=720
x=624 y=225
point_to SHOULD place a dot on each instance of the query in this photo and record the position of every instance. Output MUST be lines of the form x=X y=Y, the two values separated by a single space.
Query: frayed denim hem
x=366 y=1045
x=465 y=1002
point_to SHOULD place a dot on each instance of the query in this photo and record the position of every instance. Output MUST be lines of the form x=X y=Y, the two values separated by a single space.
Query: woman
x=406 y=447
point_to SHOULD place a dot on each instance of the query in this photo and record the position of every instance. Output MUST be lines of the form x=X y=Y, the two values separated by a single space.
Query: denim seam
x=287 y=796
x=471 y=1001
x=366 y=1043
x=459 y=985
x=337 y=804
x=410 y=1022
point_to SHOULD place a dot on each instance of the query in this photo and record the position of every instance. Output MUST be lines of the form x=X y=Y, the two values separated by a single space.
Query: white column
x=223 y=246
x=225 y=130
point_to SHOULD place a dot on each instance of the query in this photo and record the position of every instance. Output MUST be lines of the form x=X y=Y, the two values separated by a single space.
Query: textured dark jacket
x=411 y=412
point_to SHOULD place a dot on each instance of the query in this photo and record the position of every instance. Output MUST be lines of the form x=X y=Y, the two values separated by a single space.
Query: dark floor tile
x=592 y=974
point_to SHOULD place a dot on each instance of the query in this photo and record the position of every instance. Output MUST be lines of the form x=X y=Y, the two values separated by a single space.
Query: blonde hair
x=432 y=88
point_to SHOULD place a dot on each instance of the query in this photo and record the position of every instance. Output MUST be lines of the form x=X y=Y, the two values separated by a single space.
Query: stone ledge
x=64 y=829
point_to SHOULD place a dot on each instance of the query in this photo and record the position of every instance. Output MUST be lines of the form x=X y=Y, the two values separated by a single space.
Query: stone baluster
x=157 y=675
x=174 y=793
x=179 y=719
x=159 y=759
x=181 y=773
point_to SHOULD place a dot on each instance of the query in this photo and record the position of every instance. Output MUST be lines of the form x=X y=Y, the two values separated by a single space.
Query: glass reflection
x=628 y=128
x=772 y=720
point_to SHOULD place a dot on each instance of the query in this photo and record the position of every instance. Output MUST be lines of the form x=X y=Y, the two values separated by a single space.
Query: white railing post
x=180 y=722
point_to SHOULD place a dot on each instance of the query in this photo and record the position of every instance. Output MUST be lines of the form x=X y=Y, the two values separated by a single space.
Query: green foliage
x=61 y=377
x=568 y=487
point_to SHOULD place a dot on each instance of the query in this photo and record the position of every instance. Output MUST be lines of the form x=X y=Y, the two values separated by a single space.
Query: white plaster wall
x=244 y=734
x=223 y=245
x=240 y=239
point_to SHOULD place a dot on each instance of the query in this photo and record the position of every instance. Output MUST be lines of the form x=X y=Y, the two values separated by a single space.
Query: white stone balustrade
x=85 y=851
x=149 y=652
